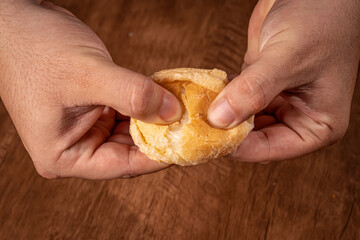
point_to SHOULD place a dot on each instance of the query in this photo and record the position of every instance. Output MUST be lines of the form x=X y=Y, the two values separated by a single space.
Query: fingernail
x=221 y=115
x=170 y=110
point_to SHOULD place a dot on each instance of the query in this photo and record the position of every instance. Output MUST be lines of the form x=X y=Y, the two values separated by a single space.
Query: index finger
x=115 y=160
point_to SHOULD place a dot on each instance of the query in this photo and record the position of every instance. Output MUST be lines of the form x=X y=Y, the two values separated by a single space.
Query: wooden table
x=313 y=197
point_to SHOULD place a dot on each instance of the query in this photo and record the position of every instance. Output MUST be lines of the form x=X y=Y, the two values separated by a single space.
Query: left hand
x=69 y=102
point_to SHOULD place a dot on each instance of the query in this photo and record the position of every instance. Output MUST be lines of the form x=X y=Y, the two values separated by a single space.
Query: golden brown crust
x=212 y=79
x=191 y=140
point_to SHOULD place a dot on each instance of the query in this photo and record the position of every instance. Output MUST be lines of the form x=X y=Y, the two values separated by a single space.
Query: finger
x=258 y=114
x=114 y=160
x=263 y=121
x=249 y=93
x=122 y=128
x=297 y=135
x=122 y=138
x=229 y=111
x=132 y=94
x=120 y=117
x=52 y=6
x=258 y=16
x=98 y=155
x=276 y=142
x=99 y=131
x=106 y=122
x=267 y=116
x=121 y=134
x=275 y=105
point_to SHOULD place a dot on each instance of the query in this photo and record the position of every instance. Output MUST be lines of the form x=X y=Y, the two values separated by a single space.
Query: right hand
x=298 y=78
x=69 y=102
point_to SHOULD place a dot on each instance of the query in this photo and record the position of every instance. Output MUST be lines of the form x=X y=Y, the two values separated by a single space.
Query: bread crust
x=192 y=140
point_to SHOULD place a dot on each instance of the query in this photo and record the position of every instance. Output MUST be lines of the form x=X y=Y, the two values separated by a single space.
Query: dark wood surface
x=313 y=197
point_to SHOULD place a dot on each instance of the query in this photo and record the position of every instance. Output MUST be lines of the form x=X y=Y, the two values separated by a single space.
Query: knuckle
x=44 y=172
x=325 y=138
x=255 y=88
x=337 y=134
x=132 y=157
x=330 y=135
x=130 y=170
x=141 y=98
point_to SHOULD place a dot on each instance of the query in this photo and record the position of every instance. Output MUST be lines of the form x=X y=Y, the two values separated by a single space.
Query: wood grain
x=313 y=197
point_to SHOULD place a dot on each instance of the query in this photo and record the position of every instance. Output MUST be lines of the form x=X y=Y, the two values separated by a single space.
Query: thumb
x=247 y=94
x=134 y=95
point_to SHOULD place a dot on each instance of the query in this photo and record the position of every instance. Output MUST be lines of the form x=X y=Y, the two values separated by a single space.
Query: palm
x=108 y=147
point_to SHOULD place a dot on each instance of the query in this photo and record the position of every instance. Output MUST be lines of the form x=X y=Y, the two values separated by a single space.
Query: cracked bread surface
x=191 y=140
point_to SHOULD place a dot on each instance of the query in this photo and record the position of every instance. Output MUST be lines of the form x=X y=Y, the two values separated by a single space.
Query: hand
x=69 y=102
x=298 y=77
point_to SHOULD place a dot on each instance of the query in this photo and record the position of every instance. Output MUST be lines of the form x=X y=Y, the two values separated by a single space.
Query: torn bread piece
x=191 y=140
